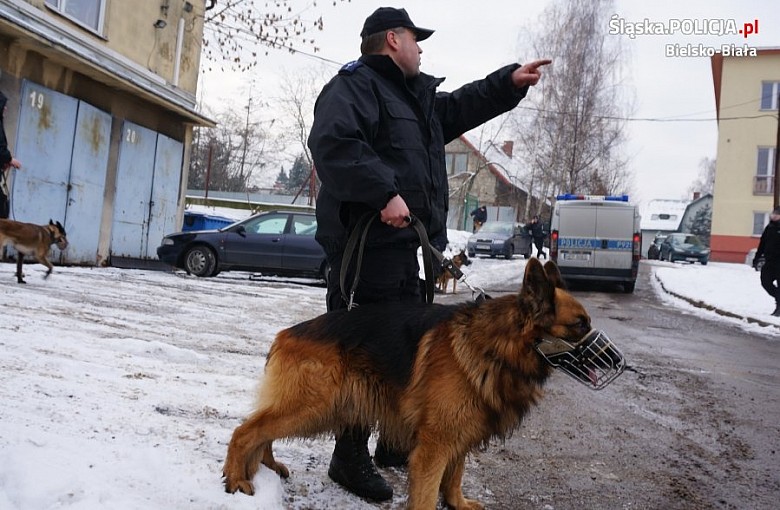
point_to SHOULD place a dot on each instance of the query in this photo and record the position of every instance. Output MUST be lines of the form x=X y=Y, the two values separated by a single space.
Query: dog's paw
x=471 y=504
x=281 y=470
x=244 y=486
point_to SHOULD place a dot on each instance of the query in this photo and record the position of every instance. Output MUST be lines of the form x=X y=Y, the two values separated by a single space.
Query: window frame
x=60 y=7
x=451 y=160
x=764 y=220
x=773 y=95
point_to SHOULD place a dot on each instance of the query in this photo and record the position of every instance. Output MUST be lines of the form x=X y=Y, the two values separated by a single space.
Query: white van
x=596 y=238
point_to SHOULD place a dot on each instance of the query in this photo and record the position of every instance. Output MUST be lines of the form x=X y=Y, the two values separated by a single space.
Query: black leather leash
x=358 y=240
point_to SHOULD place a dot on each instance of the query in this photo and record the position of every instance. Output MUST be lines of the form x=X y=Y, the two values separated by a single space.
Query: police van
x=596 y=238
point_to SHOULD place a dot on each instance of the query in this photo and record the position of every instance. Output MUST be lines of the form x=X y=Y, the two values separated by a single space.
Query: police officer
x=7 y=162
x=378 y=146
x=769 y=249
x=536 y=228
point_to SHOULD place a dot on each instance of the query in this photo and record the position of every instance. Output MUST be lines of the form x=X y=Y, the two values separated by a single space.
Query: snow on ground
x=121 y=388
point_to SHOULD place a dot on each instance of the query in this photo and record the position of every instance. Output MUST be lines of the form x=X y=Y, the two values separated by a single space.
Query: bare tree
x=705 y=182
x=237 y=32
x=298 y=93
x=230 y=156
x=575 y=130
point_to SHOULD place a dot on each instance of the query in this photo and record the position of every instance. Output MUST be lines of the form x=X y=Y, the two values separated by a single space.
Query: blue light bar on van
x=610 y=198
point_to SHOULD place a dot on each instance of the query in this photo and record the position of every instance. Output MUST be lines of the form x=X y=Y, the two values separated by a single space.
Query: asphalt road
x=696 y=426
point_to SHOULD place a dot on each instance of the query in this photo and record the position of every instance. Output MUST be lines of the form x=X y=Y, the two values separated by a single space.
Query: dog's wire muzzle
x=594 y=360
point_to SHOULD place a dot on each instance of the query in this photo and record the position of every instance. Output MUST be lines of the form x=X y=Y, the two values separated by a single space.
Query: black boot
x=351 y=467
x=386 y=456
x=776 y=313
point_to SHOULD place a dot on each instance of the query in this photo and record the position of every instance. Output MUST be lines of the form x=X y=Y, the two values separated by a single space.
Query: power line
x=649 y=119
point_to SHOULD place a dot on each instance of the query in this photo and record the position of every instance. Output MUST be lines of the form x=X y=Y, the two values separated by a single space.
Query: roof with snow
x=504 y=167
x=663 y=214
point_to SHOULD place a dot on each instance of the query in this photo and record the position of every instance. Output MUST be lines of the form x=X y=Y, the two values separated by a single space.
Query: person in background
x=377 y=141
x=480 y=217
x=536 y=230
x=769 y=249
x=6 y=163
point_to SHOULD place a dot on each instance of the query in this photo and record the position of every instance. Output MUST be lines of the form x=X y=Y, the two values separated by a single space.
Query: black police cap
x=389 y=17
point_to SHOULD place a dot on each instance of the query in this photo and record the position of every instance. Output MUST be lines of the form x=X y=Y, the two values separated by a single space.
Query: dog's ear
x=554 y=275
x=51 y=222
x=536 y=283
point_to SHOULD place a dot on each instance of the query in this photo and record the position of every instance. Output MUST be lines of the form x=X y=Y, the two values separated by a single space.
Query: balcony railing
x=763 y=184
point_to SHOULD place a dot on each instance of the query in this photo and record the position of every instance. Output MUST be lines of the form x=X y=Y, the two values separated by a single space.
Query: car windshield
x=692 y=240
x=496 y=227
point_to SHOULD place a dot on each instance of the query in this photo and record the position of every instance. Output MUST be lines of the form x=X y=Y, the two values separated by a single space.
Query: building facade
x=747 y=91
x=484 y=174
x=102 y=105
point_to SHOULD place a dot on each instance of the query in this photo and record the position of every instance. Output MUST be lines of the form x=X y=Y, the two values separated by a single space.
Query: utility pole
x=246 y=137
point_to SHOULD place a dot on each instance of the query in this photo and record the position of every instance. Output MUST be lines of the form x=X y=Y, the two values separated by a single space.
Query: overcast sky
x=475 y=37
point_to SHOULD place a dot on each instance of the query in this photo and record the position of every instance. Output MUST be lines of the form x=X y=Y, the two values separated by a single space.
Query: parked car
x=503 y=238
x=686 y=247
x=654 y=251
x=274 y=243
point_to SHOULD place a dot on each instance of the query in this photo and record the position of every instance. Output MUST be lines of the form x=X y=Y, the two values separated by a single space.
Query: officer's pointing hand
x=528 y=74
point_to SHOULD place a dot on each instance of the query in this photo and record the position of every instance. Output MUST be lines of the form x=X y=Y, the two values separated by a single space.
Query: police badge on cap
x=389 y=17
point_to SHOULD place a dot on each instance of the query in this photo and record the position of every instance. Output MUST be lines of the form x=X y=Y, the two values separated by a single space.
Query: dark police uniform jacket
x=769 y=246
x=376 y=135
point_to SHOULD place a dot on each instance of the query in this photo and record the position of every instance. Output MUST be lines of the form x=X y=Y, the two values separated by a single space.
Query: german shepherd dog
x=442 y=282
x=437 y=380
x=29 y=239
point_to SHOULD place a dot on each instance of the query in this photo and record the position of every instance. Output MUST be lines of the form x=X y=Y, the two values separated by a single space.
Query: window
x=304 y=225
x=663 y=216
x=457 y=162
x=271 y=224
x=760 y=220
x=769 y=91
x=764 y=182
x=86 y=12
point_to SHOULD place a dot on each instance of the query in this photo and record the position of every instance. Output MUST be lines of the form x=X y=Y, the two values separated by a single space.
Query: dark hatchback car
x=687 y=247
x=273 y=243
x=503 y=238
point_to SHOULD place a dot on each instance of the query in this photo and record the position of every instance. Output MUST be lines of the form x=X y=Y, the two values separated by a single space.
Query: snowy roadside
x=121 y=387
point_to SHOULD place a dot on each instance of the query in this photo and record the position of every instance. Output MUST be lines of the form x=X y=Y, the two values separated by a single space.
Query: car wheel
x=628 y=288
x=527 y=256
x=200 y=261
x=704 y=262
x=510 y=252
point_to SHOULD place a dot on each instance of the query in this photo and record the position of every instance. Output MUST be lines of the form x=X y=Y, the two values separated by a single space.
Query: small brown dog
x=442 y=282
x=30 y=239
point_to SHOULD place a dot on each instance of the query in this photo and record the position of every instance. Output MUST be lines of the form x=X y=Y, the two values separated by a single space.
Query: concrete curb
x=702 y=304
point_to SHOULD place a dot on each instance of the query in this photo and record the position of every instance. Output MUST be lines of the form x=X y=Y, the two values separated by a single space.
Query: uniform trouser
x=539 y=243
x=770 y=274
x=5 y=204
x=386 y=275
